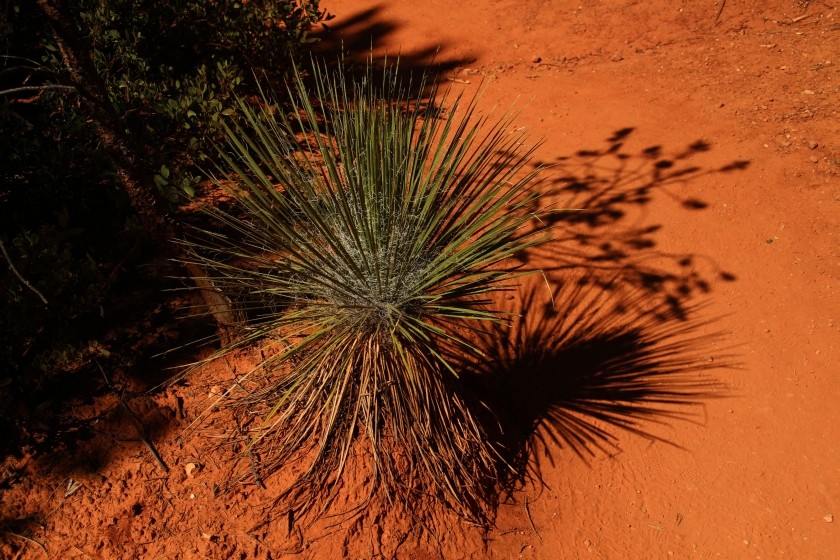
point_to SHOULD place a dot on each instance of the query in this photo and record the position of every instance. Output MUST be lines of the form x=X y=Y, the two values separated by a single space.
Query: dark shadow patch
x=575 y=373
x=354 y=39
x=739 y=165
x=621 y=134
x=694 y=204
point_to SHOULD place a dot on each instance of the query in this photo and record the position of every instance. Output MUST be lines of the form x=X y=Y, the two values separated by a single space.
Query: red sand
x=724 y=194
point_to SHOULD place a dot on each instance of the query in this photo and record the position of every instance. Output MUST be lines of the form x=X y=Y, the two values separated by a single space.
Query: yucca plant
x=370 y=228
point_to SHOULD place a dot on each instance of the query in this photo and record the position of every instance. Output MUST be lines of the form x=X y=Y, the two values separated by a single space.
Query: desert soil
x=691 y=385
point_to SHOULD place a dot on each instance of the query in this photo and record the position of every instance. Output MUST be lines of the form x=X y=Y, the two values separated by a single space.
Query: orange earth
x=691 y=385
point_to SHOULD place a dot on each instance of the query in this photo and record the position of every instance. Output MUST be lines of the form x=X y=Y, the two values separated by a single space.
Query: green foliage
x=169 y=69
x=369 y=234
x=172 y=68
x=167 y=72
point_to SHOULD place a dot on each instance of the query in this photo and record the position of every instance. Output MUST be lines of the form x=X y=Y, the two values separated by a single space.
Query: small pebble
x=813 y=144
x=829 y=518
x=814 y=159
x=536 y=59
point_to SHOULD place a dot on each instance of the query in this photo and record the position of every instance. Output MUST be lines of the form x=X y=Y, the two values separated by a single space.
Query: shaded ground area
x=669 y=388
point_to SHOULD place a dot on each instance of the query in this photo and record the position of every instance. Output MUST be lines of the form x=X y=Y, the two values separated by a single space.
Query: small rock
x=813 y=144
x=617 y=58
x=192 y=469
x=807 y=92
x=536 y=59
x=814 y=159
x=829 y=518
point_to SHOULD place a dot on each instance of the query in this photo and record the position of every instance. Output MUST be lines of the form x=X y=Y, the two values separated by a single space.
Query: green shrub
x=369 y=233
x=172 y=68
x=166 y=71
x=94 y=95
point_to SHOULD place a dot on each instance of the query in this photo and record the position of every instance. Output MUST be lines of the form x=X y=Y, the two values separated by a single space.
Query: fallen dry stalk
x=18 y=275
x=138 y=426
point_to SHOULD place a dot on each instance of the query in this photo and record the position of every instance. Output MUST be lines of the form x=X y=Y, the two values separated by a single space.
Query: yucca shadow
x=579 y=373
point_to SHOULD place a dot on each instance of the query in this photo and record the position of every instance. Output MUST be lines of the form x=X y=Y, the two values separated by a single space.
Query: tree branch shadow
x=364 y=35
x=598 y=212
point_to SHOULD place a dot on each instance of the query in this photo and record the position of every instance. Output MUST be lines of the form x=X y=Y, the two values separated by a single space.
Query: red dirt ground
x=701 y=139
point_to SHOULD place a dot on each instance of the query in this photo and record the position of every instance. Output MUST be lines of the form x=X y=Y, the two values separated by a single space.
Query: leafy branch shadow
x=600 y=199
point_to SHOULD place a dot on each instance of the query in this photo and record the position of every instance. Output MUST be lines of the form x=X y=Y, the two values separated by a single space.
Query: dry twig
x=531 y=520
x=720 y=11
x=38 y=89
x=17 y=274
x=28 y=539
x=141 y=432
x=259 y=482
